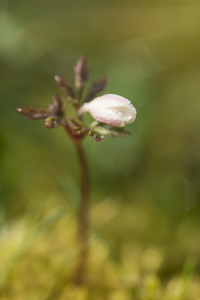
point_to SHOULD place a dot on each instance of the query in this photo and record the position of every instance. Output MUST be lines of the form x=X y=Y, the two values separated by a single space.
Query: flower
x=111 y=109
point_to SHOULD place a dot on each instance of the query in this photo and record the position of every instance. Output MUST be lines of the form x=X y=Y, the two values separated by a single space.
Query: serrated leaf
x=81 y=73
x=57 y=107
x=32 y=109
x=57 y=102
x=34 y=113
x=64 y=86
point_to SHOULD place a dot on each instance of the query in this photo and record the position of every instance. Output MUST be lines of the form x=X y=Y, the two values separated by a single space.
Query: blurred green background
x=145 y=188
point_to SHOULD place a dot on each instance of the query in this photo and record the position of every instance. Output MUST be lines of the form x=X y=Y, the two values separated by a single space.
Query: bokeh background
x=145 y=189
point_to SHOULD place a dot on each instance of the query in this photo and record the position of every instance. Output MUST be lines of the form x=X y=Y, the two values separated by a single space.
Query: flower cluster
x=111 y=112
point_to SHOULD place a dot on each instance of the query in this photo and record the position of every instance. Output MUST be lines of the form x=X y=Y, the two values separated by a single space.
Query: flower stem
x=83 y=214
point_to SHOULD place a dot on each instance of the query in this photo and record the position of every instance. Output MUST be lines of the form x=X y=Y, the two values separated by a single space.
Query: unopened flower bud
x=111 y=109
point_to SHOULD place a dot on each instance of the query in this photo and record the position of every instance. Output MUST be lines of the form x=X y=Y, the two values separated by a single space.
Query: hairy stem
x=83 y=214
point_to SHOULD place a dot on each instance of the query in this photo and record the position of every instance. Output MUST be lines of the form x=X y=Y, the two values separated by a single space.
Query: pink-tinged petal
x=110 y=109
x=103 y=115
x=110 y=100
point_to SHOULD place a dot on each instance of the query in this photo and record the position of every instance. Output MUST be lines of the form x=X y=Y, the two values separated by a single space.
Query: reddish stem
x=83 y=215
x=82 y=233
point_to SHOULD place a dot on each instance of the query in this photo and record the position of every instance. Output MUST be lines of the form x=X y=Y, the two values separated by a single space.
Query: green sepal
x=97 y=130
x=98 y=133
x=116 y=131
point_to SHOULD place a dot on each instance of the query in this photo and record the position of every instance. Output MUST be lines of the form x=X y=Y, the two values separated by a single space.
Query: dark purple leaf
x=64 y=86
x=96 y=87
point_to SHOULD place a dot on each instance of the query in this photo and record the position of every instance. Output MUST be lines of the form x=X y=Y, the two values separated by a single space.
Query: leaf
x=96 y=87
x=57 y=102
x=57 y=108
x=81 y=73
x=64 y=86
x=34 y=113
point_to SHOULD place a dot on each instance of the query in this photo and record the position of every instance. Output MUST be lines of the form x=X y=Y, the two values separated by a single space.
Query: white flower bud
x=111 y=109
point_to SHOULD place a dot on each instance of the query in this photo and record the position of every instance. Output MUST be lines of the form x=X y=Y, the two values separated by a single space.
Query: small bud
x=111 y=109
x=51 y=122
